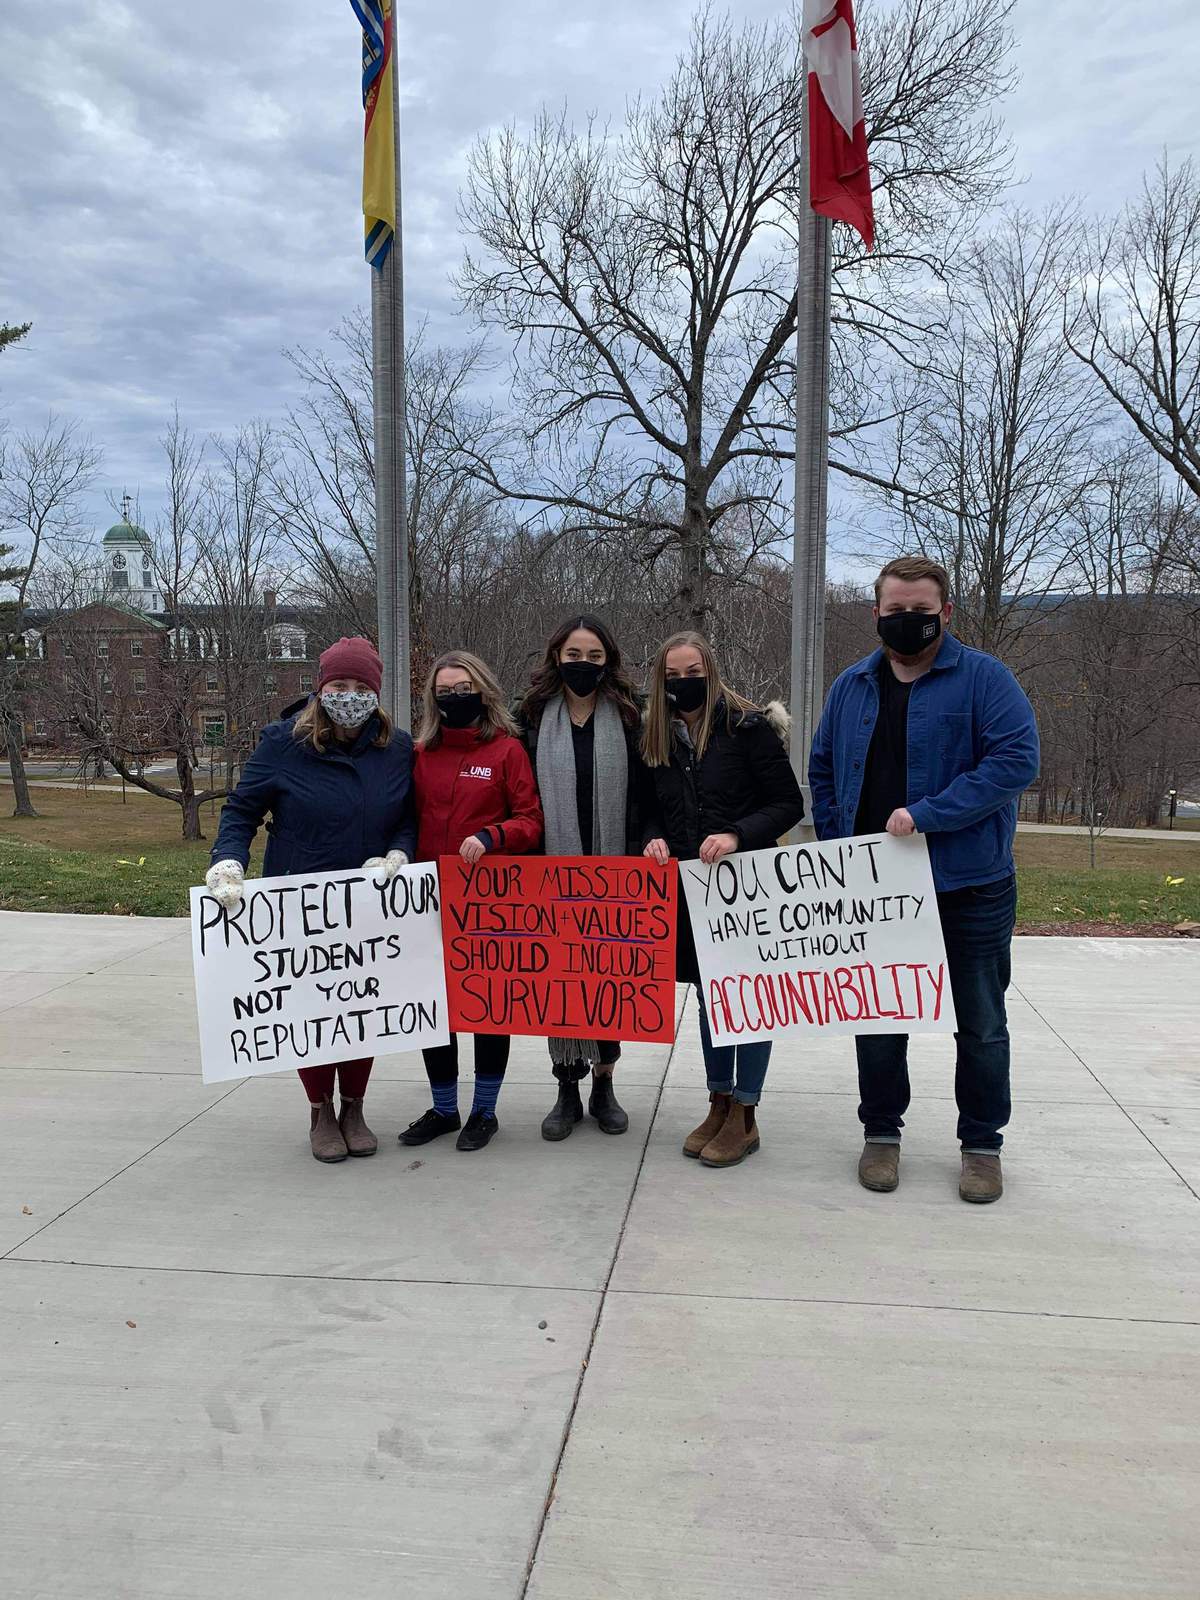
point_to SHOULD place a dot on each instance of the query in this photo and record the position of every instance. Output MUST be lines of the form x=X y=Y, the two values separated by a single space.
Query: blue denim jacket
x=972 y=750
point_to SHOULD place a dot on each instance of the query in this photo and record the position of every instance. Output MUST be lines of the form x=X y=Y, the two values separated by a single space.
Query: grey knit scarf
x=556 y=784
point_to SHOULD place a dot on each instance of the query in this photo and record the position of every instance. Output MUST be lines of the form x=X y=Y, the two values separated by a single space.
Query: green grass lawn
x=91 y=853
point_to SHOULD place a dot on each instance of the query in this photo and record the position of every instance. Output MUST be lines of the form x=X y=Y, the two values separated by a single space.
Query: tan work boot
x=324 y=1134
x=879 y=1167
x=982 y=1180
x=360 y=1141
x=718 y=1112
x=735 y=1141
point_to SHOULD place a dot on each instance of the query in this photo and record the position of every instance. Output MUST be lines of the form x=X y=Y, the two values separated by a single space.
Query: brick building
x=151 y=676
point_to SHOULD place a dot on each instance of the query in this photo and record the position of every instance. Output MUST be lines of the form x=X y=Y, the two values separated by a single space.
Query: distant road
x=1182 y=835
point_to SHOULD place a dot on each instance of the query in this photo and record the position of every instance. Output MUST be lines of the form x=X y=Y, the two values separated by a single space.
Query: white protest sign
x=838 y=937
x=308 y=970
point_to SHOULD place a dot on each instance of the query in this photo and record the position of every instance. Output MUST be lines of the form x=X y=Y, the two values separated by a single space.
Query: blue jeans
x=977 y=925
x=737 y=1069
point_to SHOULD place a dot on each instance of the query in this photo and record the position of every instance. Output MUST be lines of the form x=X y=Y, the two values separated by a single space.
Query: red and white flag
x=839 y=177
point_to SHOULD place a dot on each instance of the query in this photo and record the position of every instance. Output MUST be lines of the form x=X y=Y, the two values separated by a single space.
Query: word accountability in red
x=903 y=991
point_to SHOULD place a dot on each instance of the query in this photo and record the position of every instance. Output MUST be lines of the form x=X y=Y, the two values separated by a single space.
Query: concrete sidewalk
x=593 y=1370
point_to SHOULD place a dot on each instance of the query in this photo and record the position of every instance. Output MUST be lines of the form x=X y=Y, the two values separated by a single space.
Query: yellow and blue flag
x=379 y=141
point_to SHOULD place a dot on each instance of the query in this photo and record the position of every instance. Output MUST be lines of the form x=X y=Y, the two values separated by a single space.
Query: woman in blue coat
x=337 y=782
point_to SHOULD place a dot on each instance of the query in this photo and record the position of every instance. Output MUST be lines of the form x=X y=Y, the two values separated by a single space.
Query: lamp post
x=1172 y=797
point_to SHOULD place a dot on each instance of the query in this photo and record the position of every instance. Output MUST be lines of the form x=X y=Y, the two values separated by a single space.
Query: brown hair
x=546 y=680
x=656 y=730
x=314 y=726
x=911 y=569
x=495 y=719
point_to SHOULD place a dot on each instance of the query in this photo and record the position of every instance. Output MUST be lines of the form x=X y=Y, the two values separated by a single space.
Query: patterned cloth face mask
x=349 y=708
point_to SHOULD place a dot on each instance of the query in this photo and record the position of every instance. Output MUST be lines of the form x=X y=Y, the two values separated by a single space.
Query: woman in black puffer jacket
x=719 y=780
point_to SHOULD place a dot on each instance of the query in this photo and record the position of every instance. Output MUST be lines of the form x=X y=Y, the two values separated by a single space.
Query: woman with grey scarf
x=581 y=721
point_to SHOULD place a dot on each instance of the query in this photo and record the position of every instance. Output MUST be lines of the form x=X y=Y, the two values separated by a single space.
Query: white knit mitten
x=386 y=867
x=225 y=881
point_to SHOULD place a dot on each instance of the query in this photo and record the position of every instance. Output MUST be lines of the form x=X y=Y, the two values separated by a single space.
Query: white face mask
x=349 y=708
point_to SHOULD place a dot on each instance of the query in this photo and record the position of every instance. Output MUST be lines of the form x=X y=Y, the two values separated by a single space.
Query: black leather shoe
x=602 y=1104
x=481 y=1129
x=559 y=1122
x=431 y=1126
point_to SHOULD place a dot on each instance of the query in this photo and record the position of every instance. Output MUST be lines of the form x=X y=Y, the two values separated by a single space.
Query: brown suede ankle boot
x=324 y=1134
x=736 y=1140
x=360 y=1141
x=982 y=1180
x=718 y=1112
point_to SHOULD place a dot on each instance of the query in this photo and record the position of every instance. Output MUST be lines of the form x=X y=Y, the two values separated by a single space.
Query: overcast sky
x=179 y=185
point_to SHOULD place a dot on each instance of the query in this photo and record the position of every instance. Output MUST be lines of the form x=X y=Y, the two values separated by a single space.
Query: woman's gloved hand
x=225 y=881
x=385 y=868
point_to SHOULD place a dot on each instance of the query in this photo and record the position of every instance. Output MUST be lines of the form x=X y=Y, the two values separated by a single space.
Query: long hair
x=656 y=728
x=546 y=680
x=495 y=719
x=315 y=727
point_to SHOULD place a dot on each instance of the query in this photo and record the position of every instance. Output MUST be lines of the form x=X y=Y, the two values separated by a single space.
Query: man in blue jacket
x=928 y=736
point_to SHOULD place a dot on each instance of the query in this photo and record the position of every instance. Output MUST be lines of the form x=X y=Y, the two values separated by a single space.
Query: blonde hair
x=495 y=719
x=315 y=727
x=656 y=729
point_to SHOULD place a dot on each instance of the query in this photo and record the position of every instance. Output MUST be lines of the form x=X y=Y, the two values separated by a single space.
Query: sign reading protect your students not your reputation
x=838 y=937
x=305 y=971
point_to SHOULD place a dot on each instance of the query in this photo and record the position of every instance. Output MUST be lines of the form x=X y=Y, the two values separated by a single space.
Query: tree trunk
x=692 y=602
x=24 y=805
x=187 y=797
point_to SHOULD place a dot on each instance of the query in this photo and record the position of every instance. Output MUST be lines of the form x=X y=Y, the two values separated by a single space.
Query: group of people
x=922 y=735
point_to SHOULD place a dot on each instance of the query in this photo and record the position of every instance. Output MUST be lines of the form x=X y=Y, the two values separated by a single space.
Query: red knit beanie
x=352 y=658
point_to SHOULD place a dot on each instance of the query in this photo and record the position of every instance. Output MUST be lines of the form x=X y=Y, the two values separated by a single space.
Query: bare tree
x=995 y=431
x=1133 y=314
x=44 y=475
x=648 y=280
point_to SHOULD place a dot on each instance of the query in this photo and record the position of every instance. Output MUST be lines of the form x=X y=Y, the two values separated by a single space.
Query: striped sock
x=445 y=1098
x=487 y=1092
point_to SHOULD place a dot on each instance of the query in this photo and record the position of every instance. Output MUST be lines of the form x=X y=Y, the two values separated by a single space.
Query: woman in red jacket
x=475 y=792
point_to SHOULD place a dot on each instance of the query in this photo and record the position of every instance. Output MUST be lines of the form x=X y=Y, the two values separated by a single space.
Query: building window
x=102 y=649
x=68 y=645
x=139 y=682
x=306 y=683
x=269 y=683
x=143 y=722
x=212 y=683
x=135 y=648
x=39 y=729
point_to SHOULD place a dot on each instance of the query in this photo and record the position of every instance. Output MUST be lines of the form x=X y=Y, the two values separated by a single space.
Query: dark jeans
x=977 y=925
x=491 y=1058
x=736 y=1069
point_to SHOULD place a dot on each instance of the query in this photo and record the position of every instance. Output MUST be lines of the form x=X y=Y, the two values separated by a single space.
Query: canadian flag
x=839 y=177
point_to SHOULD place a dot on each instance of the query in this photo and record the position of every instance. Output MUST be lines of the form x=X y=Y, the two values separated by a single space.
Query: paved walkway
x=593 y=1371
x=1173 y=835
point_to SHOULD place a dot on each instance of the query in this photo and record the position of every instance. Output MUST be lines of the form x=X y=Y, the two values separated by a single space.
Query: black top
x=584 y=740
x=885 y=781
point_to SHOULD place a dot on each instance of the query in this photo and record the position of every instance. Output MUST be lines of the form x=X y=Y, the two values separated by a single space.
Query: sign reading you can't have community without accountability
x=838 y=937
x=309 y=970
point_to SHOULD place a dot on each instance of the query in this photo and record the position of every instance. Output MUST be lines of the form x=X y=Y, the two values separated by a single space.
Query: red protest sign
x=573 y=947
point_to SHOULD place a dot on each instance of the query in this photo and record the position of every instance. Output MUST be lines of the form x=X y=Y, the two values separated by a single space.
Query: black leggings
x=491 y=1058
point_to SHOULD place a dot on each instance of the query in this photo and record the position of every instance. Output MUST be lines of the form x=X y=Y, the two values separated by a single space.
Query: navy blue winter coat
x=328 y=812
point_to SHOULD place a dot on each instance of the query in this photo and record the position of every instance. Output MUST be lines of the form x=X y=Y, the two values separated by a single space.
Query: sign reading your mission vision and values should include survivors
x=562 y=946
x=309 y=970
x=838 y=937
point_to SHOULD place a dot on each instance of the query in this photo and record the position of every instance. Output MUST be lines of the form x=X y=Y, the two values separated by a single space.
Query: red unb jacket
x=467 y=785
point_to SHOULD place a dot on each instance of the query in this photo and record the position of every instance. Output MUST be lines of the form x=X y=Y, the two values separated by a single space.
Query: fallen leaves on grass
x=1173 y=883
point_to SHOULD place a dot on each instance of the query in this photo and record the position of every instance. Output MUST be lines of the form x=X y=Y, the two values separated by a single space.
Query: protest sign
x=572 y=947
x=331 y=967
x=838 y=937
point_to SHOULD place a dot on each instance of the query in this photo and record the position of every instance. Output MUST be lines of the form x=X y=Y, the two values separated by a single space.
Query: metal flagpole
x=391 y=510
x=812 y=477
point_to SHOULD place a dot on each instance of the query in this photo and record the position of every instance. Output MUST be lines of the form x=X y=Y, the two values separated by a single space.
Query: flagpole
x=391 y=518
x=812 y=476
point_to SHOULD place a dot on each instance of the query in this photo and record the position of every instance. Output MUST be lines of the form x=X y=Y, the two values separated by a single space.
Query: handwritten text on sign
x=560 y=946
x=839 y=937
x=331 y=967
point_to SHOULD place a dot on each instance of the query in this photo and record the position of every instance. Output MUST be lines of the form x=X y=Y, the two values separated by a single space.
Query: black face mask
x=581 y=677
x=910 y=632
x=460 y=710
x=687 y=694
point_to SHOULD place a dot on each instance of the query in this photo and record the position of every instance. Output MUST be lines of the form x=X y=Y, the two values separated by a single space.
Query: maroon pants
x=352 y=1079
